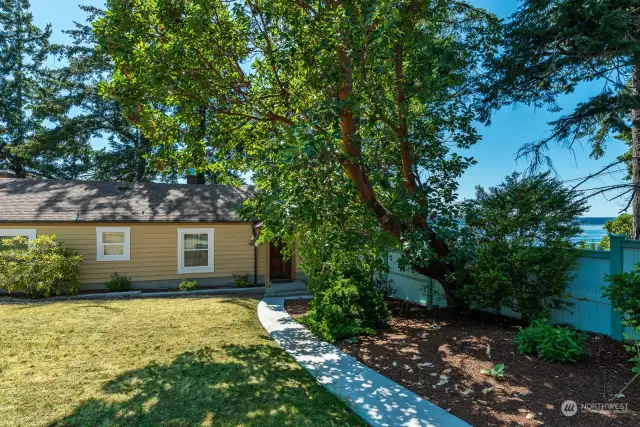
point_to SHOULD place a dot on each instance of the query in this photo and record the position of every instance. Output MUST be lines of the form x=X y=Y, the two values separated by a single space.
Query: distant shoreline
x=595 y=220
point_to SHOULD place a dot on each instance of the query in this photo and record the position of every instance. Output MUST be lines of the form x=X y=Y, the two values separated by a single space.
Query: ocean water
x=591 y=233
x=592 y=230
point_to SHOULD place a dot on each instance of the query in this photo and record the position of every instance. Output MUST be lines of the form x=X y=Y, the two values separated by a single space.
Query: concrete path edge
x=374 y=397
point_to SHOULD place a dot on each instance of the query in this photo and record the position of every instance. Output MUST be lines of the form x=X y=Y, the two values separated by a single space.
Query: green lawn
x=143 y=362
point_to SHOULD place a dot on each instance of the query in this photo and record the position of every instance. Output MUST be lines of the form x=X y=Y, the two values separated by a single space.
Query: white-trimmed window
x=29 y=233
x=195 y=250
x=113 y=243
x=9 y=233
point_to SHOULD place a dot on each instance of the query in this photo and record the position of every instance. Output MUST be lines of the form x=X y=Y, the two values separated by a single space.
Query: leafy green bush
x=624 y=293
x=556 y=344
x=349 y=306
x=241 y=280
x=523 y=231
x=622 y=224
x=188 y=285
x=39 y=268
x=119 y=283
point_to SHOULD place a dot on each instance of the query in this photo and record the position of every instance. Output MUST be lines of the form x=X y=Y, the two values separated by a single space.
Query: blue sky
x=511 y=127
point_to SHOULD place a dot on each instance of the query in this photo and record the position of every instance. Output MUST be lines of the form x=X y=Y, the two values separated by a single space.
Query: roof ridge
x=26 y=200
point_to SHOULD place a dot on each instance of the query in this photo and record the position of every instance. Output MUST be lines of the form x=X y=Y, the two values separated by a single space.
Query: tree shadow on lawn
x=259 y=386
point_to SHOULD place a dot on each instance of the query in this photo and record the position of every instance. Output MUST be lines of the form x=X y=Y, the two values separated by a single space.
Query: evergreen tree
x=549 y=48
x=23 y=80
x=80 y=114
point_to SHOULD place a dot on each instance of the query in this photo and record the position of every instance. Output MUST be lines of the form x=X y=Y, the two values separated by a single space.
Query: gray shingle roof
x=26 y=200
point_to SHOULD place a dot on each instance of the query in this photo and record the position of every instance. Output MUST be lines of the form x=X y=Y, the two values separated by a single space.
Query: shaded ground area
x=439 y=356
x=170 y=361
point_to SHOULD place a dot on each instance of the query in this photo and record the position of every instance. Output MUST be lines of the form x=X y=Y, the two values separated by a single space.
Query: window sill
x=114 y=258
x=190 y=270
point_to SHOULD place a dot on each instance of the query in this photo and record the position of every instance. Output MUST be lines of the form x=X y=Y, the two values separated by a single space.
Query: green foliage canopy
x=549 y=47
x=24 y=79
x=77 y=113
x=358 y=106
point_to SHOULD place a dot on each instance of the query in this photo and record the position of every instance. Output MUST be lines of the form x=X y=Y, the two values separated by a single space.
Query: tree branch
x=402 y=127
x=597 y=173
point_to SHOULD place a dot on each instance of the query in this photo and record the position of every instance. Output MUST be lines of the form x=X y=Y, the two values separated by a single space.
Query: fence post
x=616 y=267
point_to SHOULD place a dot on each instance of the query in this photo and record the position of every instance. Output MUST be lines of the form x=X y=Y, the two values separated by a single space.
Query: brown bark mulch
x=439 y=355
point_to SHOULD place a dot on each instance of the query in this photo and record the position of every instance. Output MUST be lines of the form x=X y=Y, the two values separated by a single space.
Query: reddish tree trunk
x=358 y=175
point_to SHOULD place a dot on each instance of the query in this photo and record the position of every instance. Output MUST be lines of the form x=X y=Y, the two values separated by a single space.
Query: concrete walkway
x=377 y=399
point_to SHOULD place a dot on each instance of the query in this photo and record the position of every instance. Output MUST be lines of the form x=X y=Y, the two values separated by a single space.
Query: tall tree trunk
x=17 y=166
x=393 y=224
x=635 y=153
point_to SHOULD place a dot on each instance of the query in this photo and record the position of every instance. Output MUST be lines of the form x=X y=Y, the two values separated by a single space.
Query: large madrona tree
x=342 y=110
x=549 y=47
x=23 y=81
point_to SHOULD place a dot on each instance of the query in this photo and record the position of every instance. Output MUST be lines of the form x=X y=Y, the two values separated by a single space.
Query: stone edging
x=136 y=294
x=374 y=397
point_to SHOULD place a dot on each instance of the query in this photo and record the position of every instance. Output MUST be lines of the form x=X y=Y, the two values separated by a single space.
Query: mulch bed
x=439 y=355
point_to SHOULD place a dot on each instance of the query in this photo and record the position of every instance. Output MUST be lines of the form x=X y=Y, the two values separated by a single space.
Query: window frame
x=29 y=233
x=210 y=249
x=100 y=256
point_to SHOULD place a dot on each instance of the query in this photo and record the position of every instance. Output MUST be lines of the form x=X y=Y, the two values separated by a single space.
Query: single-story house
x=157 y=234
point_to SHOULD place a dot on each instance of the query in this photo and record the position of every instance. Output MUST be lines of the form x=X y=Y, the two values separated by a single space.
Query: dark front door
x=279 y=268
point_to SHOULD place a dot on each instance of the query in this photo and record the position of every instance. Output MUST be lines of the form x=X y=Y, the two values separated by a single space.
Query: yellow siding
x=262 y=256
x=154 y=250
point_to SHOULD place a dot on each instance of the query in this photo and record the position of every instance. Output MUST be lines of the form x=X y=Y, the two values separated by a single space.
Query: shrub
x=556 y=344
x=349 y=306
x=188 y=285
x=39 y=268
x=624 y=293
x=522 y=259
x=241 y=280
x=622 y=224
x=119 y=283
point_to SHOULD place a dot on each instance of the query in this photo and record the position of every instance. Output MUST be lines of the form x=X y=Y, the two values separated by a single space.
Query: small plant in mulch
x=188 y=285
x=555 y=344
x=241 y=280
x=496 y=371
x=119 y=283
